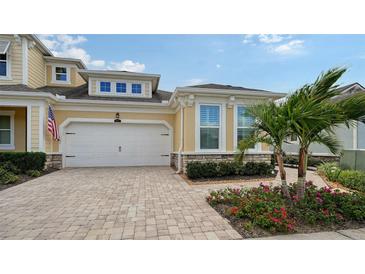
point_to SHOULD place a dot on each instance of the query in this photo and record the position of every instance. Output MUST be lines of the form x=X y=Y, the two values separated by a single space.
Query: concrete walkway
x=349 y=234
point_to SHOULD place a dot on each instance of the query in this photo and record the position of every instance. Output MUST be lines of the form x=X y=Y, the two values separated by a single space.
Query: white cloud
x=68 y=46
x=195 y=81
x=127 y=65
x=292 y=47
x=248 y=39
x=271 y=38
x=218 y=66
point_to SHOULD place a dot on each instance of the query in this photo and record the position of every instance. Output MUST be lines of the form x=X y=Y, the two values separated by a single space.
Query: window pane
x=4 y=122
x=4 y=137
x=243 y=133
x=209 y=115
x=61 y=77
x=121 y=87
x=61 y=70
x=209 y=138
x=105 y=86
x=3 y=57
x=2 y=68
x=243 y=118
x=136 y=88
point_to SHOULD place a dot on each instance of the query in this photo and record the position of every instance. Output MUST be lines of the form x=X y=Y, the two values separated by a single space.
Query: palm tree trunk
x=282 y=172
x=302 y=171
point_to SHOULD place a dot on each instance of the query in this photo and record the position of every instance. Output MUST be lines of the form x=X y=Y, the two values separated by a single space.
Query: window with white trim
x=121 y=88
x=4 y=59
x=6 y=130
x=61 y=74
x=105 y=86
x=210 y=127
x=244 y=126
x=4 y=65
x=136 y=88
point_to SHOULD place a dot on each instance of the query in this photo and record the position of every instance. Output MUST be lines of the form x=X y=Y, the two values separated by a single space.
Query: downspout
x=179 y=159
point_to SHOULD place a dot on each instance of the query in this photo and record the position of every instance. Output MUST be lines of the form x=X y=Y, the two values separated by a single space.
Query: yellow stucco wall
x=36 y=68
x=229 y=129
x=16 y=62
x=20 y=118
x=35 y=128
x=62 y=115
x=177 y=131
x=189 y=129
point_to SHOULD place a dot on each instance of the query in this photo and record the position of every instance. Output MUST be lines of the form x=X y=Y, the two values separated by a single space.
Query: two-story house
x=115 y=118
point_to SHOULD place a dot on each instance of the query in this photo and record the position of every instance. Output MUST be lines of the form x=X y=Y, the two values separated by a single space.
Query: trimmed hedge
x=197 y=170
x=312 y=161
x=24 y=161
x=6 y=177
x=354 y=179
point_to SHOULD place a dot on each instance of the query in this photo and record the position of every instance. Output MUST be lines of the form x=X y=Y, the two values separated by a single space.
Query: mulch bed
x=247 y=230
x=25 y=178
x=229 y=180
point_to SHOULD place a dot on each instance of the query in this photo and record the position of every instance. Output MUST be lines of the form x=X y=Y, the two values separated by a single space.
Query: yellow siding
x=177 y=131
x=229 y=129
x=16 y=62
x=35 y=128
x=36 y=68
x=189 y=129
x=76 y=79
x=62 y=115
x=20 y=118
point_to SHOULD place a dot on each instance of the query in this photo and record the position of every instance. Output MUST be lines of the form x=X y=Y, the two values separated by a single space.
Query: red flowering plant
x=229 y=196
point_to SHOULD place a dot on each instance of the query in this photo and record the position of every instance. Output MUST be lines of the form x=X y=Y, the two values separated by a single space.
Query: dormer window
x=61 y=75
x=3 y=65
x=136 y=88
x=105 y=86
x=4 y=59
x=121 y=87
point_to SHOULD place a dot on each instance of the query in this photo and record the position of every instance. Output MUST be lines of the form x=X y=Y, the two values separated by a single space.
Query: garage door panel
x=93 y=144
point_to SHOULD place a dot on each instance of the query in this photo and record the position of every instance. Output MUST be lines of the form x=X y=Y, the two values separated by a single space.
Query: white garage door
x=103 y=144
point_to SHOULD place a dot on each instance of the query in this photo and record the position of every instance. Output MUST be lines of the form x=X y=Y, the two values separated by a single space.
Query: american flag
x=52 y=126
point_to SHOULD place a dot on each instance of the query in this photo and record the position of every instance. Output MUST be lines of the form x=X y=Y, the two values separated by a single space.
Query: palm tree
x=313 y=113
x=271 y=127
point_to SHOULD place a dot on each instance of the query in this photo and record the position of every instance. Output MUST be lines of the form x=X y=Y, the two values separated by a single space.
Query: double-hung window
x=121 y=87
x=136 y=88
x=61 y=74
x=244 y=126
x=105 y=86
x=4 y=58
x=6 y=130
x=210 y=127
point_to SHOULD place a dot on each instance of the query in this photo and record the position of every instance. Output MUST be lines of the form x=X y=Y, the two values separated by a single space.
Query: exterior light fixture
x=117 y=120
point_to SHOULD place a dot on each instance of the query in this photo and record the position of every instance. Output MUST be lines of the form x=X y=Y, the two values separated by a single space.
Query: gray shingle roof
x=228 y=87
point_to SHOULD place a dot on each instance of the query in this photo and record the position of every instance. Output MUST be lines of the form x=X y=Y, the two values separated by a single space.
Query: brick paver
x=110 y=203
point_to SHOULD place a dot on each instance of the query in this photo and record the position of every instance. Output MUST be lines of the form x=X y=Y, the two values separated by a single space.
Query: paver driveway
x=109 y=203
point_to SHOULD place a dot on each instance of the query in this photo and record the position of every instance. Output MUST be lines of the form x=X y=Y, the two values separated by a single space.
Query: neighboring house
x=350 y=138
x=115 y=118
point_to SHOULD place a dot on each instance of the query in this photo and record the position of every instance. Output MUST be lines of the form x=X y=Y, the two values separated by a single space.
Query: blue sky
x=273 y=62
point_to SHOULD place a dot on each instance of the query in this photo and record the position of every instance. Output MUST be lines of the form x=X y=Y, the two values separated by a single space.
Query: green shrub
x=196 y=170
x=9 y=166
x=33 y=173
x=24 y=160
x=352 y=179
x=6 y=177
x=331 y=170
